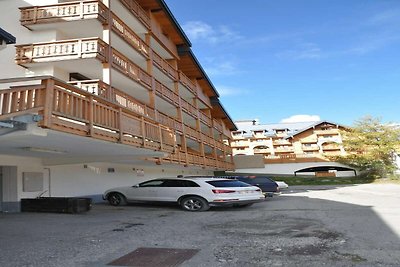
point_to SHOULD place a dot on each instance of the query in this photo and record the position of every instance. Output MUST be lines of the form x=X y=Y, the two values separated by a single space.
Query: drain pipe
x=49 y=171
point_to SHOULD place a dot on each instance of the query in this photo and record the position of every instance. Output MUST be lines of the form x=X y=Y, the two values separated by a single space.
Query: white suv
x=192 y=194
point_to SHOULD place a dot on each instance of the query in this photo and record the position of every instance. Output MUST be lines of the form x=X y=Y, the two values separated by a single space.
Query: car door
x=146 y=191
x=170 y=190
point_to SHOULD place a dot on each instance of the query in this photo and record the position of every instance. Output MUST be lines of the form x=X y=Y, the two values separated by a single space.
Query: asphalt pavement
x=352 y=225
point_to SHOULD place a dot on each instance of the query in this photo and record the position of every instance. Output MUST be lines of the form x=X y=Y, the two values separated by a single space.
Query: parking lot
x=333 y=226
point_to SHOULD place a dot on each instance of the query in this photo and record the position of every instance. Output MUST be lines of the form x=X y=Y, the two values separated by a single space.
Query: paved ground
x=327 y=226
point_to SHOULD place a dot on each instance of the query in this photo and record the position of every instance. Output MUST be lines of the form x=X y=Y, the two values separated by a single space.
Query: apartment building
x=289 y=148
x=102 y=93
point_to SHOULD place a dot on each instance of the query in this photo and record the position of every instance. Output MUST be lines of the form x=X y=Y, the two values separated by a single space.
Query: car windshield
x=227 y=183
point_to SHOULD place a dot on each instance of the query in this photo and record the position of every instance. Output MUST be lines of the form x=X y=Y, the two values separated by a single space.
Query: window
x=153 y=183
x=179 y=183
x=224 y=183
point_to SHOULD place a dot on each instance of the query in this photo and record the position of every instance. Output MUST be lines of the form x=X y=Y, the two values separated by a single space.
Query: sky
x=298 y=60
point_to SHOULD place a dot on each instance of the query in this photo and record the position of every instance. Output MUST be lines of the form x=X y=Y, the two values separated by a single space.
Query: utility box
x=56 y=204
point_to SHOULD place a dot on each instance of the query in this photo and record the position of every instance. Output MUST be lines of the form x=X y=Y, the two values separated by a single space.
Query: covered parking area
x=322 y=171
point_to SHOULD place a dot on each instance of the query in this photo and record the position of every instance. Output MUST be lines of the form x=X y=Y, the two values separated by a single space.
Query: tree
x=371 y=146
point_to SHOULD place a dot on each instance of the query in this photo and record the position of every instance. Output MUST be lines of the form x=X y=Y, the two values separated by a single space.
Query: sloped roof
x=6 y=37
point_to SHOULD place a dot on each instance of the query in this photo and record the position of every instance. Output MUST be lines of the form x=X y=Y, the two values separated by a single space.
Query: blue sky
x=272 y=60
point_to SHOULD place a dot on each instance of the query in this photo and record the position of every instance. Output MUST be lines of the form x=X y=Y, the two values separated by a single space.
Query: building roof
x=294 y=128
x=6 y=37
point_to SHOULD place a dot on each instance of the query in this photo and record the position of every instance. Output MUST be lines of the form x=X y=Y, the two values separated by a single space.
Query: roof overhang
x=164 y=16
x=192 y=68
x=219 y=112
x=6 y=37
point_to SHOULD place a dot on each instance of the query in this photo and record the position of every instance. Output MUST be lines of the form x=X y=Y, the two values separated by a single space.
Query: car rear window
x=225 y=183
x=259 y=180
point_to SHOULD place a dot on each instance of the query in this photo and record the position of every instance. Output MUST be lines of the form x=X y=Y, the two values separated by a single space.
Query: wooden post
x=48 y=102
x=90 y=116
x=143 y=130
x=120 y=122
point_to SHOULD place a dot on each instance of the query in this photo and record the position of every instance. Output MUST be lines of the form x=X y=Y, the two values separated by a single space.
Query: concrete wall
x=78 y=179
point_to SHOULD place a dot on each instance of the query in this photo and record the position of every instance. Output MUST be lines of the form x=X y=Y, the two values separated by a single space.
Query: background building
x=98 y=94
x=288 y=148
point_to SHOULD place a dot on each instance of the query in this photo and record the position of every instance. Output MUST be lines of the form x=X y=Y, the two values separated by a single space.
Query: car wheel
x=194 y=204
x=116 y=199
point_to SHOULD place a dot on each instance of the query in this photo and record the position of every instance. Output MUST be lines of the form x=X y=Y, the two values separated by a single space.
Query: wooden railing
x=218 y=126
x=327 y=132
x=187 y=83
x=203 y=97
x=191 y=132
x=189 y=108
x=115 y=96
x=67 y=108
x=308 y=148
x=78 y=10
x=138 y=11
x=130 y=69
x=62 y=50
x=22 y=99
x=294 y=158
x=166 y=93
x=129 y=36
x=205 y=118
x=208 y=140
x=164 y=66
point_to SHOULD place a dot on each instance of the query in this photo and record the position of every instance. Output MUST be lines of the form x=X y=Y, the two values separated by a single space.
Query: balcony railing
x=218 y=126
x=187 y=83
x=330 y=147
x=138 y=11
x=327 y=132
x=129 y=36
x=69 y=109
x=78 y=10
x=189 y=108
x=164 y=66
x=310 y=148
x=166 y=93
x=130 y=69
x=205 y=118
x=62 y=50
x=191 y=133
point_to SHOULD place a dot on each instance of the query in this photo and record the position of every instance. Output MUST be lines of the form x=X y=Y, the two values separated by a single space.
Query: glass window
x=152 y=183
x=227 y=183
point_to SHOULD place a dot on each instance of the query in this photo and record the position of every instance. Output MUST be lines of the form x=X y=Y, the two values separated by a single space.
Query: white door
x=146 y=191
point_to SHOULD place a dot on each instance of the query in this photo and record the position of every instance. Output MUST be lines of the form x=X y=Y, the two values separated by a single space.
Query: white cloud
x=301 y=118
x=301 y=51
x=229 y=91
x=222 y=68
x=199 y=30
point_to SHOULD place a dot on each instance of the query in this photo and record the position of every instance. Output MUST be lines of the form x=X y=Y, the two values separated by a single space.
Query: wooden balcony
x=310 y=148
x=138 y=12
x=327 y=132
x=189 y=108
x=185 y=81
x=191 y=132
x=70 y=11
x=203 y=98
x=281 y=142
x=218 y=126
x=164 y=66
x=294 y=158
x=127 y=34
x=283 y=149
x=69 y=109
x=208 y=140
x=262 y=151
x=205 y=118
x=166 y=93
x=330 y=147
x=62 y=50
x=115 y=96
x=130 y=69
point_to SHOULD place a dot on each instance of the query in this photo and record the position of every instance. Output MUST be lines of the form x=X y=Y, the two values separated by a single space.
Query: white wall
x=10 y=23
x=290 y=168
x=75 y=180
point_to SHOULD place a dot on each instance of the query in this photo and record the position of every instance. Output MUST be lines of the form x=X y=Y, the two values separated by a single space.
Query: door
x=146 y=191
